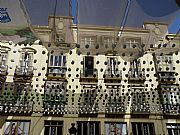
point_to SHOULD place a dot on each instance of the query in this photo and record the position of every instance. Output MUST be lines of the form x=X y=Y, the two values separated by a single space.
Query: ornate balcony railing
x=115 y=108
x=136 y=75
x=57 y=71
x=88 y=109
x=116 y=74
x=3 y=70
x=89 y=73
x=140 y=108
x=170 y=108
x=13 y=106
x=24 y=71
x=167 y=77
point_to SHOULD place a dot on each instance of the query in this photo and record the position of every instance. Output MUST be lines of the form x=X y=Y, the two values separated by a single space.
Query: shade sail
x=101 y=12
x=14 y=22
x=40 y=10
x=111 y=13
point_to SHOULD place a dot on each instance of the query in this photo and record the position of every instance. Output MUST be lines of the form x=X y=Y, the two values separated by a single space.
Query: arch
x=5 y=48
x=28 y=49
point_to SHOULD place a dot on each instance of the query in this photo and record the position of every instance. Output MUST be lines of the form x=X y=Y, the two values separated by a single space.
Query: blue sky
x=175 y=25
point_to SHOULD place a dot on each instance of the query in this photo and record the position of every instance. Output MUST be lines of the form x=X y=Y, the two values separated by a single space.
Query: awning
x=14 y=22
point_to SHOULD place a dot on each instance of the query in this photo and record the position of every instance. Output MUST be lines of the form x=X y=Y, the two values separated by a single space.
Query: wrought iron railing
x=24 y=70
x=164 y=76
x=57 y=70
x=170 y=108
x=136 y=74
x=113 y=74
x=89 y=73
x=3 y=69
x=140 y=108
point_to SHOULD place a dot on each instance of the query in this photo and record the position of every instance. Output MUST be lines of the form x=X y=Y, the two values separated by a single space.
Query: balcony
x=115 y=108
x=89 y=75
x=13 y=108
x=56 y=72
x=24 y=71
x=111 y=76
x=140 y=108
x=136 y=76
x=16 y=103
x=166 y=77
x=54 y=106
x=171 y=109
x=3 y=70
x=87 y=110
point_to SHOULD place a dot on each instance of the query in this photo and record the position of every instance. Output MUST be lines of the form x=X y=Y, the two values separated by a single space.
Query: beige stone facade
x=87 y=75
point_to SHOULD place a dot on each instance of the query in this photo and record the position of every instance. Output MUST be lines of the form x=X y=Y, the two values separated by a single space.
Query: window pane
x=64 y=61
x=46 y=132
x=115 y=129
x=17 y=128
x=56 y=61
x=60 y=61
x=51 y=60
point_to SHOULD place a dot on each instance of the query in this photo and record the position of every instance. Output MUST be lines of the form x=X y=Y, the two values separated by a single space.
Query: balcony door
x=112 y=66
x=88 y=65
x=26 y=61
x=135 y=68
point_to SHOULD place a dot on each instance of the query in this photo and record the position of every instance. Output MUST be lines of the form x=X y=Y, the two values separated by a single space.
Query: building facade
x=88 y=80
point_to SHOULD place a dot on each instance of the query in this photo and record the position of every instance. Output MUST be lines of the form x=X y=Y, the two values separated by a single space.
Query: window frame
x=62 y=62
x=122 y=125
x=165 y=61
x=90 y=40
x=18 y=124
x=51 y=126
x=142 y=129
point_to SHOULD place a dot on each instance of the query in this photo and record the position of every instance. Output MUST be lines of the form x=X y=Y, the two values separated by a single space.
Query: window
x=57 y=60
x=114 y=94
x=17 y=128
x=26 y=62
x=21 y=91
x=135 y=69
x=89 y=65
x=165 y=63
x=55 y=91
x=57 y=64
x=88 y=128
x=53 y=127
x=173 y=129
x=88 y=41
x=3 y=59
x=89 y=96
x=171 y=97
x=26 y=59
x=132 y=42
x=143 y=128
x=115 y=128
x=112 y=66
x=138 y=97
x=108 y=41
